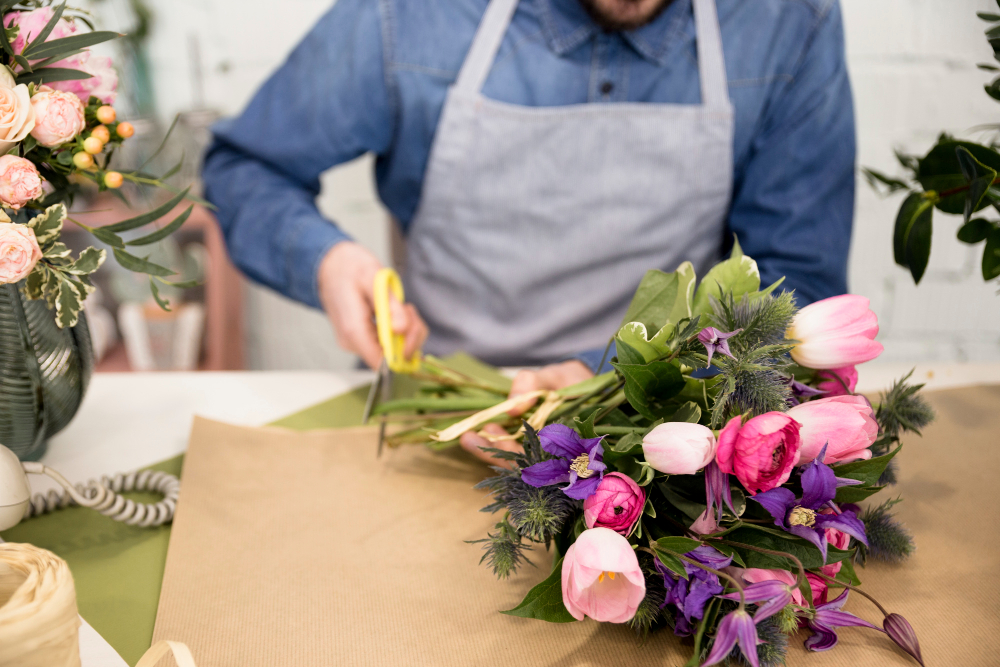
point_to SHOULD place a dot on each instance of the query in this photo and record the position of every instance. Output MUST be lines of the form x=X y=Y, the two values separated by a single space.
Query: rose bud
x=762 y=452
x=601 y=577
x=617 y=504
x=93 y=145
x=19 y=181
x=679 y=448
x=106 y=114
x=58 y=117
x=19 y=252
x=83 y=160
x=102 y=133
x=835 y=332
x=125 y=130
x=113 y=179
x=844 y=424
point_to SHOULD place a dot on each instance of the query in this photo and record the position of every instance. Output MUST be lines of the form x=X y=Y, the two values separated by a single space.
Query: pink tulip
x=838 y=381
x=845 y=424
x=762 y=452
x=835 y=332
x=617 y=504
x=679 y=448
x=601 y=577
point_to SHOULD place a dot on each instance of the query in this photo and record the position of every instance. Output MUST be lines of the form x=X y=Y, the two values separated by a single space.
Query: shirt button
x=607 y=87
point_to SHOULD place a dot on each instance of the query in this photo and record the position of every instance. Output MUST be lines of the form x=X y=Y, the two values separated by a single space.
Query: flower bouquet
x=710 y=484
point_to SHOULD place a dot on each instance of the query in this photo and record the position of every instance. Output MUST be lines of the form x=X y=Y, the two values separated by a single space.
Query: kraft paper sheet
x=304 y=549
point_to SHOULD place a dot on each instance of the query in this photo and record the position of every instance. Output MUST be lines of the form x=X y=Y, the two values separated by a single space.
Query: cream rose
x=58 y=117
x=19 y=181
x=19 y=252
x=17 y=117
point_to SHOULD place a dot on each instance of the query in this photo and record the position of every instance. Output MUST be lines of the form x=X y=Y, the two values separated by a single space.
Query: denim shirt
x=372 y=76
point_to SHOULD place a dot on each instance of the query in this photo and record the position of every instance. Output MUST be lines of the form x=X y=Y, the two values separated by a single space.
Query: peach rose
x=19 y=252
x=19 y=181
x=17 y=118
x=58 y=117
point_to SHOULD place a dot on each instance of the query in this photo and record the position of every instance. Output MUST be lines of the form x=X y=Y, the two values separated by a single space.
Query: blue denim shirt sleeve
x=793 y=203
x=329 y=103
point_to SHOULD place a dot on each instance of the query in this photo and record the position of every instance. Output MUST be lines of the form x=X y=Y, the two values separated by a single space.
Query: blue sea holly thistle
x=802 y=517
x=579 y=461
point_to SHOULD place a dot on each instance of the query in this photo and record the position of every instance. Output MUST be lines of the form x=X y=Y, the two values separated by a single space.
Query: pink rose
x=835 y=332
x=601 y=577
x=617 y=504
x=19 y=181
x=19 y=252
x=679 y=448
x=58 y=117
x=32 y=23
x=819 y=588
x=762 y=452
x=838 y=539
x=103 y=81
x=838 y=381
x=845 y=424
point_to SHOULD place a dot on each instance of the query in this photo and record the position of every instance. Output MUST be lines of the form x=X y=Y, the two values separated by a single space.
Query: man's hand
x=552 y=377
x=346 y=282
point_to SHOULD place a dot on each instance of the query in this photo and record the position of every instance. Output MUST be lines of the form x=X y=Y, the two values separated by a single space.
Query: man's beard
x=613 y=19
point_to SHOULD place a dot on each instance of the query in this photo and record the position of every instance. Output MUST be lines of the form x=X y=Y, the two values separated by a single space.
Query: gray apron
x=536 y=224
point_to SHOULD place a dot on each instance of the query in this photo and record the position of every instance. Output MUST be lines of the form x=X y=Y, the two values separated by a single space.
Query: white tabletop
x=131 y=420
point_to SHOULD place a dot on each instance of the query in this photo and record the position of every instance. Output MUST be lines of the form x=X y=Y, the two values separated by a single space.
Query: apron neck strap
x=493 y=26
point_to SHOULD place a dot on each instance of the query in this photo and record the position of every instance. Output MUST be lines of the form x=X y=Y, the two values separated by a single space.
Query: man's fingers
x=524 y=382
x=474 y=442
x=416 y=334
x=399 y=314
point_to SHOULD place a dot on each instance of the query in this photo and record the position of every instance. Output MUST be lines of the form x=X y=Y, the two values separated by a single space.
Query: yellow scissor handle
x=387 y=281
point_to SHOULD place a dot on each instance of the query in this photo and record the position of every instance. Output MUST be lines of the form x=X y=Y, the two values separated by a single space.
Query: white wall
x=913 y=67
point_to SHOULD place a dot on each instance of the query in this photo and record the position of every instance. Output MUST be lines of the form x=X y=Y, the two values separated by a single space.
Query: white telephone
x=16 y=502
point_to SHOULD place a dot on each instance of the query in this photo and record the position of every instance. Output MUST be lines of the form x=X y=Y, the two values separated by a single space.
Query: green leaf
x=61 y=47
x=986 y=16
x=545 y=601
x=585 y=427
x=69 y=301
x=640 y=471
x=148 y=217
x=680 y=545
x=918 y=245
x=50 y=75
x=975 y=231
x=867 y=472
x=685 y=293
x=160 y=301
x=727 y=550
x=979 y=176
x=166 y=231
x=48 y=226
x=689 y=412
x=940 y=170
x=914 y=206
x=109 y=237
x=876 y=179
x=634 y=335
x=630 y=443
x=89 y=261
x=36 y=279
x=140 y=265
x=847 y=573
x=737 y=275
x=647 y=386
x=57 y=250
x=672 y=563
x=5 y=42
x=653 y=300
x=855 y=494
x=46 y=31
x=991 y=255
x=690 y=508
x=805 y=551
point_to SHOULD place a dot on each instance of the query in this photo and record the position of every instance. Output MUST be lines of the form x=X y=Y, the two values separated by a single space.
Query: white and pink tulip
x=835 y=332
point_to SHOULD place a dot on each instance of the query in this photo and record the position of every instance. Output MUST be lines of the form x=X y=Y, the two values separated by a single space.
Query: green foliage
x=662 y=297
x=735 y=276
x=544 y=601
x=504 y=550
x=649 y=386
x=902 y=409
x=773 y=539
x=763 y=319
x=888 y=540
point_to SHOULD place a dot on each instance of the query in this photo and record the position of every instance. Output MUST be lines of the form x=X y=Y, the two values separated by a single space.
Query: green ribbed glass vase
x=44 y=372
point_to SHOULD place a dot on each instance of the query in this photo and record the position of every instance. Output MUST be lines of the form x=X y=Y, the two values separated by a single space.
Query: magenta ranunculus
x=838 y=381
x=601 y=577
x=845 y=424
x=762 y=452
x=835 y=332
x=617 y=504
x=19 y=252
x=19 y=181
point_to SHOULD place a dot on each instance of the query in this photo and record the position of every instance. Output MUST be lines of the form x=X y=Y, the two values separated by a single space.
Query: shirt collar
x=567 y=26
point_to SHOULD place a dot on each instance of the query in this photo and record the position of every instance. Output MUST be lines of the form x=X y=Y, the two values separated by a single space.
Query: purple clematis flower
x=800 y=516
x=578 y=461
x=776 y=595
x=735 y=627
x=692 y=594
x=716 y=341
x=901 y=632
x=800 y=391
x=717 y=490
x=828 y=617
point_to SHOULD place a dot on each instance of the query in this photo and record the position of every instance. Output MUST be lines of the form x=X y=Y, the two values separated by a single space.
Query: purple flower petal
x=815 y=536
x=595 y=451
x=901 y=632
x=708 y=556
x=772 y=606
x=736 y=626
x=843 y=481
x=582 y=488
x=748 y=640
x=762 y=590
x=553 y=471
x=778 y=502
x=836 y=603
x=819 y=484
x=561 y=440
x=698 y=596
x=841 y=619
x=822 y=639
x=846 y=522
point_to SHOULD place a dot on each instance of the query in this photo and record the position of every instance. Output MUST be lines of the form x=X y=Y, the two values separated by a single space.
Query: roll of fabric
x=39 y=623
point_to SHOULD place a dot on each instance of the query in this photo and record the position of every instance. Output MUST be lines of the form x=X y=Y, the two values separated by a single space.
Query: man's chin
x=623 y=14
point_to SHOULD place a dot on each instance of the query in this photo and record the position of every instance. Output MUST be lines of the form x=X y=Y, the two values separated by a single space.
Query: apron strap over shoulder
x=485 y=45
x=711 y=57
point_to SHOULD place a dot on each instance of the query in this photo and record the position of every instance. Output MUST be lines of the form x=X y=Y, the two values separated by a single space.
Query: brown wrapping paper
x=304 y=549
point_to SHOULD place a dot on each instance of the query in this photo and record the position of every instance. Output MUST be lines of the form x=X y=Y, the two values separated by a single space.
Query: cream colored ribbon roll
x=39 y=623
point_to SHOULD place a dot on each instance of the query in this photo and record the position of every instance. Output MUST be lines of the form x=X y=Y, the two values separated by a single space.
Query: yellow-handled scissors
x=393 y=345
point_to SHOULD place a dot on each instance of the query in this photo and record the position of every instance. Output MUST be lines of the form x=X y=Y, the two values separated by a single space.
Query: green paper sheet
x=118 y=569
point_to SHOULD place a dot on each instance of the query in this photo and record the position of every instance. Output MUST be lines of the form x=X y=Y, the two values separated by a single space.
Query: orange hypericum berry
x=102 y=133
x=106 y=114
x=93 y=145
x=113 y=179
x=125 y=130
x=83 y=160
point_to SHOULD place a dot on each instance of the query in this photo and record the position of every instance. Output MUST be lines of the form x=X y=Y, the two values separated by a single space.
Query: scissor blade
x=373 y=393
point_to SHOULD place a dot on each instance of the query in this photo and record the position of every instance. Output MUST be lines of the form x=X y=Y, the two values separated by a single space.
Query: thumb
x=400 y=317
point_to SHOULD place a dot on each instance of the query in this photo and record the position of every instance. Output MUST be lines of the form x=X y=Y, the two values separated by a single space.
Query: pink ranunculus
x=705 y=524
x=755 y=575
x=845 y=424
x=601 y=577
x=19 y=252
x=838 y=381
x=19 y=181
x=679 y=448
x=32 y=23
x=762 y=452
x=835 y=332
x=103 y=81
x=617 y=504
x=838 y=539
x=59 y=117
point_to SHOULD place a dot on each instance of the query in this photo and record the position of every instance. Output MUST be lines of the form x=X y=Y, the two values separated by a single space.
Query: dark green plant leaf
x=544 y=601
x=672 y=563
x=160 y=301
x=46 y=31
x=164 y=232
x=855 y=494
x=140 y=265
x=877 y=179
x=866 y=472
x=918 y=244
x=680 y=545
x=991 y=255
x=148 y=217
x=109 y=237
x=986 y=16
x=727 y=550
x=688 y=412
x=647 y=386
x=630 y=443
x=805 y=551
x=50 y=75
x=940 y=171
x=914 y=206
x=847 y=573
x=980 y=178
x=975 y=231
x=61 y=48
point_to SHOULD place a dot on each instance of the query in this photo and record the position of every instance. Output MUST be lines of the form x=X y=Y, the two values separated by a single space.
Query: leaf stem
x=853 y=588
x=961 y=188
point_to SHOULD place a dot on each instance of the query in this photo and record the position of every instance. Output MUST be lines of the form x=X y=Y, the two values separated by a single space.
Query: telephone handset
x=16 y=502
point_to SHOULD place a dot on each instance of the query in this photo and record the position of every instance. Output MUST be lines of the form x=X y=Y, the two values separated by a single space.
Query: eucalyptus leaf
x=545 y=602
x=140 y=265
x=51 y=75
x=165 y=231
x=62 y=47
x=109 y=237
x=146 y=218
x=45 y=31
x=164 y=304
